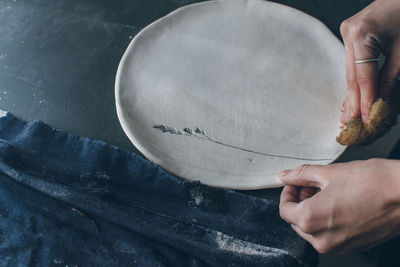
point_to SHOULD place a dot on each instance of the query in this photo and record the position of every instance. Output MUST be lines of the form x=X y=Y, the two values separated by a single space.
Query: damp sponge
x=382 y=117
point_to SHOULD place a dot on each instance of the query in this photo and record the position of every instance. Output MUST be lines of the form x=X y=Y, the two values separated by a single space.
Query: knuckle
x=363 y=79
x=351 y=83
x=323 y=245
x=353 y=111
x=360 y=29
x=364 y=106
x=301 y=169
x=282 y=213
x=345 y=26
x=305 y=222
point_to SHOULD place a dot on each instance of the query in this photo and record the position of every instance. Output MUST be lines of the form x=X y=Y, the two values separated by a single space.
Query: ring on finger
x=367 y=60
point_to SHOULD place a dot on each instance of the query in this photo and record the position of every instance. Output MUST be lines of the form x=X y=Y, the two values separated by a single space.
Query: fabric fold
x=66 y=199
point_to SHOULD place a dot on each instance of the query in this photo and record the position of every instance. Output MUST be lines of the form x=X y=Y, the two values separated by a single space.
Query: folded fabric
x=71 y=201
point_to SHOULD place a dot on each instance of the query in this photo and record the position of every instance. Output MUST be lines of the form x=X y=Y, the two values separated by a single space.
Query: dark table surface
x=58 y=58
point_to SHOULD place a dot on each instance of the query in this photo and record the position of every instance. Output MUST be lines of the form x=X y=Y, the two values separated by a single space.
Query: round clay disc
x=230 y=92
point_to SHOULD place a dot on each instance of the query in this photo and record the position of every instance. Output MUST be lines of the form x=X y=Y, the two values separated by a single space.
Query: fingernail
x=283 y=173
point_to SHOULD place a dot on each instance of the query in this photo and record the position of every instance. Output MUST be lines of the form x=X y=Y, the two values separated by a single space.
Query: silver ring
x=367 y=60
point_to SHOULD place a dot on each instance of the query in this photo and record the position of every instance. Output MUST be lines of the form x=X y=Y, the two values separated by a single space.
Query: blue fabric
x=70 y=200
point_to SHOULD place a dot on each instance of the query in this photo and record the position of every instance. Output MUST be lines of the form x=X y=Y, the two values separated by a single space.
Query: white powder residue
x=102 y=175
x=229 y=243
x=14 y=173
x=3 y=113
x=57 y=261
x=197 y=196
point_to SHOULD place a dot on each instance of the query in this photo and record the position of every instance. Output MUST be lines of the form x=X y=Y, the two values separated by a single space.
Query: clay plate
x=230 y=92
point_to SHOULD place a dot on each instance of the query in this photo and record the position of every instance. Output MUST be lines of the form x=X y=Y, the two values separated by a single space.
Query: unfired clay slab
x=230 y=92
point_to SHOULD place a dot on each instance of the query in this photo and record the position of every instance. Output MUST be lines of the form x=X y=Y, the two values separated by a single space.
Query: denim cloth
x=72 y=201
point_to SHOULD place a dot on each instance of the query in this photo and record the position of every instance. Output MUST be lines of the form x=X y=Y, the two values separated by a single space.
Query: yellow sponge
x=382 y=117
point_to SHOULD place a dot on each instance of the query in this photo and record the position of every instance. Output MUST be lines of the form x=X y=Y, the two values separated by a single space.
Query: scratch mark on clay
x=201 y=134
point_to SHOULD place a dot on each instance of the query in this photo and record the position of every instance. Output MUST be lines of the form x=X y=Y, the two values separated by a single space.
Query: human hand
x=343 y=207
x=374 y=29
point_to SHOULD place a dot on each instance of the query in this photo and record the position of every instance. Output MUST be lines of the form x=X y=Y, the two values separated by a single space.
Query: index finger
x=367 y=76
x=352 y=102
x=288 y=207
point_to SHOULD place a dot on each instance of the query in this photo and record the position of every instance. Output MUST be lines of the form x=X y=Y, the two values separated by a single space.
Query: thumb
x=305 y=175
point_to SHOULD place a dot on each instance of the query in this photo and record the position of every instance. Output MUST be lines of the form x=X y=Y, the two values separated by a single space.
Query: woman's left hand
x=343 y=207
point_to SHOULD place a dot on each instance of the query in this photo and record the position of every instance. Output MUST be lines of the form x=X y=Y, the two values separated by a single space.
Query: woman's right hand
x=374 y=29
